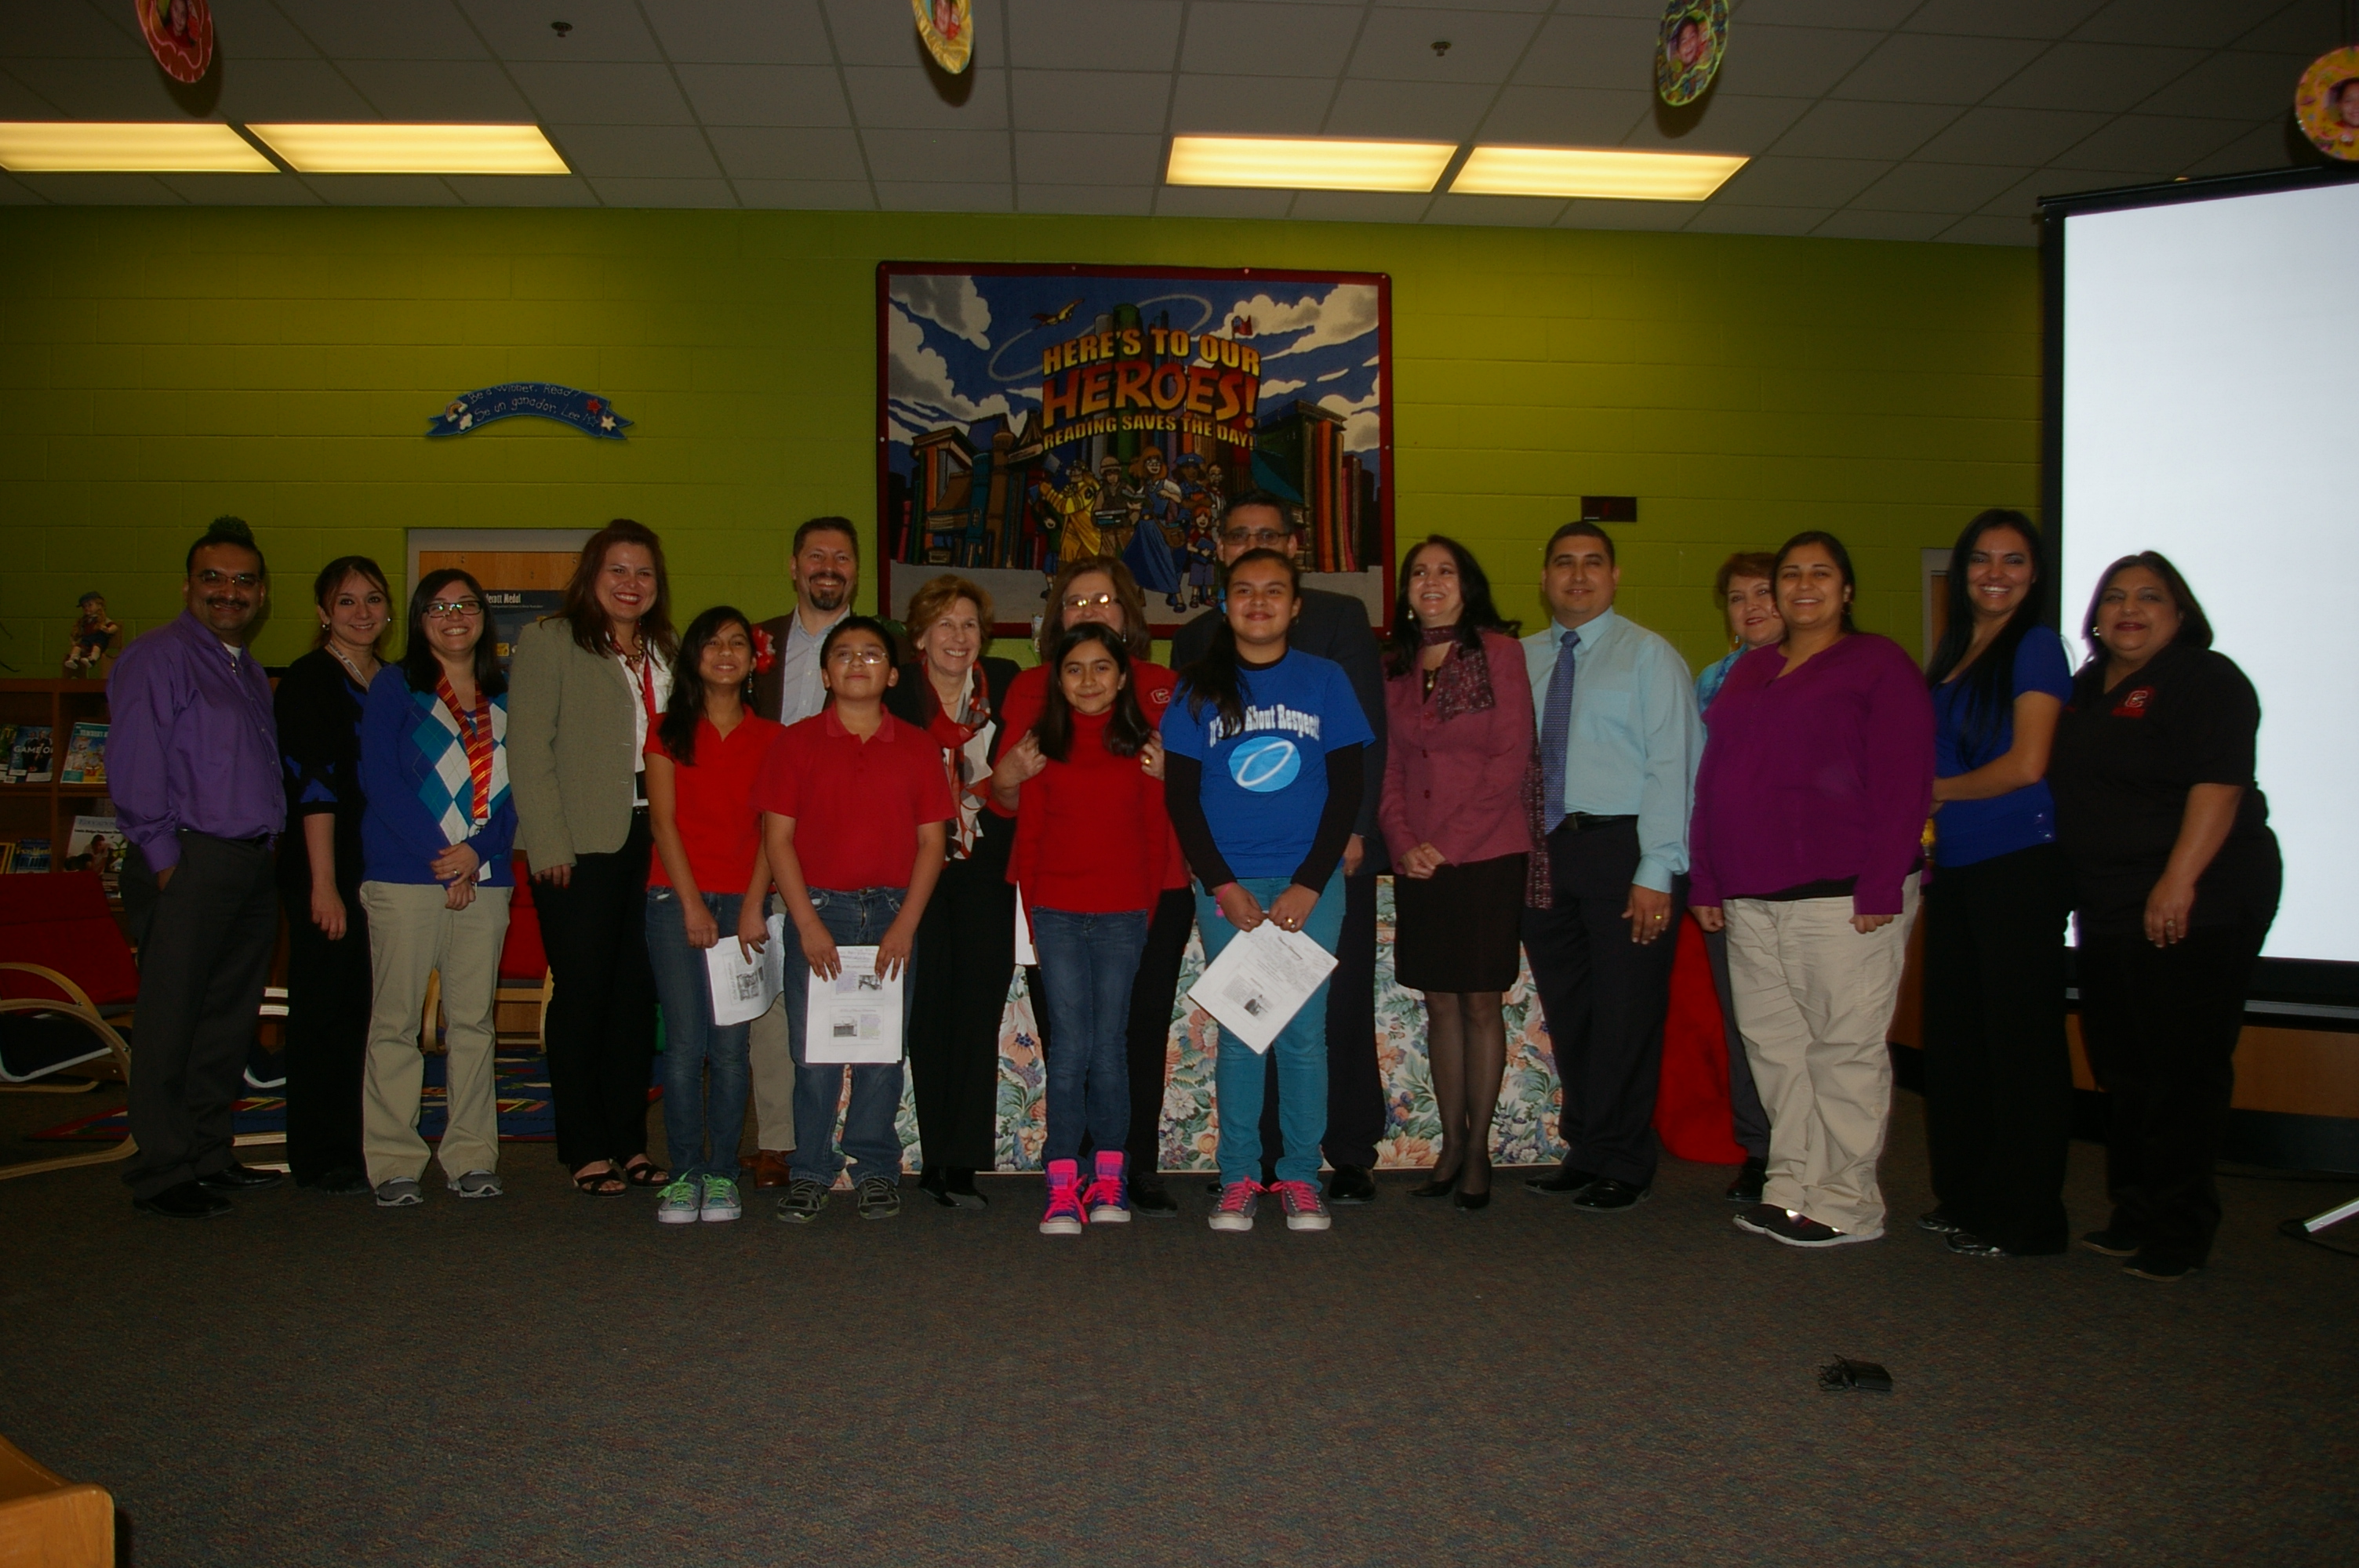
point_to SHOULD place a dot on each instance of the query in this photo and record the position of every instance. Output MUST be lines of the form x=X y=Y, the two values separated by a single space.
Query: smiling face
x=824 y=569
x=859 y=667
x=2000 y=573
x=727 y=659
x=1434 y=591
x=2137 y=616
x=224 y=590
x=452 y=622
x=953 y=640
x=1262 y=608
x=1752 y=618
x=1090 y=679
x=626 y=586
x=1580 y=579
x=1812 y=592
x=1090 y=598
x=1253 y=528
x=357 y=612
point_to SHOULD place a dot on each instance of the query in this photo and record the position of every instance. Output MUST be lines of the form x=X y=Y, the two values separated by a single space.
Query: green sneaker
x=720 y=1199
x=677 y=1204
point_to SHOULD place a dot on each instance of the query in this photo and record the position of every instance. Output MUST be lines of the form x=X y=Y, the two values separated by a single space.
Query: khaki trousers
x=411 y=935
x=772 y=1058
x=1814 y=1003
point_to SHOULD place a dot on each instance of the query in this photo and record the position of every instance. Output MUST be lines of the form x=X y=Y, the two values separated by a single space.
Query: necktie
x=1556 y=732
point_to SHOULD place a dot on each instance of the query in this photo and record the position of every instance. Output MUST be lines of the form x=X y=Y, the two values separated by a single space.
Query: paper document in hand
x=1260 y=982
x=744 y=989
x=856 y=1017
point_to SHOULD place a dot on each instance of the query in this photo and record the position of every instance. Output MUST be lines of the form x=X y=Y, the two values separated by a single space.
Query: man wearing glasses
x=1333 y=626
x=193 y=764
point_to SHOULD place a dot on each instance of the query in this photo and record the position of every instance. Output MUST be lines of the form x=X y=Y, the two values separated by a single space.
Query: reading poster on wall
x=1029 y=414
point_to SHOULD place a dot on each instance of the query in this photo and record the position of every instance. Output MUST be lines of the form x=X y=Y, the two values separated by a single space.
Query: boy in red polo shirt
x=854 y=805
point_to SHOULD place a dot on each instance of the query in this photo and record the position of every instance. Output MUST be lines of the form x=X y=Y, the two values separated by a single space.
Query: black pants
x=1355 y=1087
x=1746 y=1119
x=1998 y=1076
x=205 y=943
x=1605 y=998
x=602 y=1013
x=964 y=959
x=2160 y=1025
x=327 y=1034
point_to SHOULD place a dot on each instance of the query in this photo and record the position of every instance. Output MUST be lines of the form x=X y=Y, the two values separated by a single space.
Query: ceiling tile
x=604 y=94
x=1729 y=126
x=2027 y=137
x=1266 y=41
x=1429 y=111
x=742 y=32
x=1839 y=129
x=1598 y=7
x=239 y=189
x=1627 y=214
x=2149 y=140
x=1954 y=188
x=2025 y=194
x=1073 y=157
x=1912 y=68
x=1239 y=106
x=664 y=192
x=2233 y=86
x=257 y=28
x=105 y=189
x=521 y=190
x=765 y=94
x=2105 y=77
x=1824 y=13
x=1214 y=201
x=383 y=190
x=19 y=101
x=1999 y=18
x=1722 y=218
x=1565 y=116
x=1982 y=230
x=1130 y=35
x=883 y=95
x=361 y=29
x=1127 y=201
x=751 y=152
x=828 y=195
x=2264 y=147
x=925 y=197
x=934 y=156
x=1851 y=225
x=1092 y=99
x=2199 y=23
x=15 y=195
x=643 y=152
x=1496 y=211
x=1397 y=45
x=601 y=29
x=1592 y=52
x=1780 y=181
x=2307 y=27
x=1359 y=207
x=121 y=89
x=867 y=33
x=1791 y=62
x=268 y=90
x=55 y=29
x=462 y=90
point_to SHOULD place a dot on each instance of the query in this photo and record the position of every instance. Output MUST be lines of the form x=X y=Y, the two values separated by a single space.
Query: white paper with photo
x=743 y=990
x=1260 y=982
x=856 y=1017
x=1025 y=953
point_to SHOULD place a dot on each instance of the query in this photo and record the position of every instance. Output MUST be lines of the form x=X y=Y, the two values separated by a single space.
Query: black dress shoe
x=1151 y=1198
x=187 y=1201
x=1350 y=1185
x=1605 y=1193
x=1435 y=1186
x=1469 y=1202
x=2112 y=1241
x=1752 y=1177
x=1560 y=1181
x=236 y=1178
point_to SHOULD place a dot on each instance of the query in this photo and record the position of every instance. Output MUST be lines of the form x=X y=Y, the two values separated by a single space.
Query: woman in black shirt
x=2176 y=877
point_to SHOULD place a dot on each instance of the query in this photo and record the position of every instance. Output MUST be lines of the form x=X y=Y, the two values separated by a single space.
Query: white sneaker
x=720 y=1200
x=475 y=1185
x=678 y=1204
x=401 y=1192
x=1238 y=1201
x=1305 y=1209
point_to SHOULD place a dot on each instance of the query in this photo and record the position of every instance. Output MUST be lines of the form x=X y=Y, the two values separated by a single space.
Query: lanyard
x=476 y=733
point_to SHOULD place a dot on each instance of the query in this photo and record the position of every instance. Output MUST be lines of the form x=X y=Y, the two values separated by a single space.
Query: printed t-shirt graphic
x=1265 y=786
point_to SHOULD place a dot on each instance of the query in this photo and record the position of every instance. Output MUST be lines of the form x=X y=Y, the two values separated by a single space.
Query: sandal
x=602 y=1183
x=647 y=1173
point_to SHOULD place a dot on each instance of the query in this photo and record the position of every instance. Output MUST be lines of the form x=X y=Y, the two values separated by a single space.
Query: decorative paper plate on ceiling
x=180 y=34
x=1695 y=35
x=2327 y=103
x=948 y=27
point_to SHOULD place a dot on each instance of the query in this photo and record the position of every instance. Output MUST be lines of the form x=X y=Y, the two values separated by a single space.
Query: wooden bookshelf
x=37 y=810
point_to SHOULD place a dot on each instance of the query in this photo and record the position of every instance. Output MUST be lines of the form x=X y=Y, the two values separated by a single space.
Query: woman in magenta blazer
x=1458 y=707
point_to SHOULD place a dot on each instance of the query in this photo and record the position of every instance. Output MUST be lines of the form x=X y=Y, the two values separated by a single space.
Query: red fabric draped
x=1691 y=1113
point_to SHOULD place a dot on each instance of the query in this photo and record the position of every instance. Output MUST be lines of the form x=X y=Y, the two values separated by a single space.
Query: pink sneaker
x=1064 y=1216
x=1104 y=1197
x=1305 y=1209
x=1236 y=1210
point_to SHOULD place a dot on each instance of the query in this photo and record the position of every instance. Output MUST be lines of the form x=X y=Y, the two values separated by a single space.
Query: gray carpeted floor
x=551 y=1380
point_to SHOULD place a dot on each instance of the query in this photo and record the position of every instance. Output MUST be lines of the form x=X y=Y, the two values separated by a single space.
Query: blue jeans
x=1300 y=1050
x=870 y=1139
x=1088 y=961
x=693 y=1106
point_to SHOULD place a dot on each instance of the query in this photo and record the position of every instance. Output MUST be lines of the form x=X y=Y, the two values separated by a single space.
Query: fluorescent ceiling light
x=160 y=146
x=413 y=150
x=1593 y=171
x=1319 y=163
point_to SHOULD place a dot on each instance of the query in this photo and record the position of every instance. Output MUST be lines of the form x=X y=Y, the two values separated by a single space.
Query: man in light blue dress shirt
x=1619 y=742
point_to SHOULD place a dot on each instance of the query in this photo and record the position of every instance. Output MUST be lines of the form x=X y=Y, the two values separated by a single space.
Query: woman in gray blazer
x=585 y=688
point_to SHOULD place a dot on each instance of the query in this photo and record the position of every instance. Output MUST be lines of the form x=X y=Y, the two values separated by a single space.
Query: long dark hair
x=331 y=577
x=418 y=664
x=1476 y=612
x=1126 y=727
x=1834 y=546
x=2194 y=626
x=580 y=608
x=677 y=729
x=1989 y=683
x=1217 y=678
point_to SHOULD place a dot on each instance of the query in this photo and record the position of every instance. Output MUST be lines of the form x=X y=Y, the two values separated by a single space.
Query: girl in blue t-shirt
x=1262 y=779
x=1997 y=1077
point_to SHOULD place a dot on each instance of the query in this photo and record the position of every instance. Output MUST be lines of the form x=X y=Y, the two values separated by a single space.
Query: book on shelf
x=32 y=855
x=7 y=856
x=8 y=752
x=85 y=759
x=96 y=845
x=29 y=756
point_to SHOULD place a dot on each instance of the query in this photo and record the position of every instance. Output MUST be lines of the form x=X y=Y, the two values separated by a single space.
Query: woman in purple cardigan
x=1810 y=821
x=1458 y=707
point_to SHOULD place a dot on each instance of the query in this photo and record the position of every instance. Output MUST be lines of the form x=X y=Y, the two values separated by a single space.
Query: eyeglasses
x=848 y=657
x=1262 y=538
x=1085 y=601
x=467 y=608
x=212 y=578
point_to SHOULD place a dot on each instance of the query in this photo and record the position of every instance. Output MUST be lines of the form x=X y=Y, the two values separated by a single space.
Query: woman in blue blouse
x=436 y=843
x=1998 y=1079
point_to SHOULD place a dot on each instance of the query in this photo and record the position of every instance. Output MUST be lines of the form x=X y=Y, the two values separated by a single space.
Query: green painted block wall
x=159 y=367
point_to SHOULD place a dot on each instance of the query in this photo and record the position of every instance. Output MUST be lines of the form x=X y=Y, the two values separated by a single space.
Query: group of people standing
x=1569 y=796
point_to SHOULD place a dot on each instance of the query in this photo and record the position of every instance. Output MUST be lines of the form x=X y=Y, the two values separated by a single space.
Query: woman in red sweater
x=1092 y=844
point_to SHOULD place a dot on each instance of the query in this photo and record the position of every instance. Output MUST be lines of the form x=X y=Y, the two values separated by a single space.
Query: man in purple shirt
x=193 y=764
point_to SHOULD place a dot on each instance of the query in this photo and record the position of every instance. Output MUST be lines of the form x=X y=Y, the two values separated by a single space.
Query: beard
x=827 y=592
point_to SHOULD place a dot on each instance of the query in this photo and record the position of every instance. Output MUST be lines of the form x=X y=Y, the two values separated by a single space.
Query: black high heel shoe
x=1436 y=1187
x=1470 y=1202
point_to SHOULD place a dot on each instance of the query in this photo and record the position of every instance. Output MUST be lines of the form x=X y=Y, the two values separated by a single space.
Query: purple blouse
x=193 y=742
x=1459 y=786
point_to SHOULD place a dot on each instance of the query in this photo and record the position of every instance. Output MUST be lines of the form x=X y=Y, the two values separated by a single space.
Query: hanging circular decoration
x=948 y=27
x=2326 y=102
x=1695 y=35
x=180 y=34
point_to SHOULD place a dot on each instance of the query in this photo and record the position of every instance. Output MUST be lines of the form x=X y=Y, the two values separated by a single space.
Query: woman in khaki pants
x=436 y=843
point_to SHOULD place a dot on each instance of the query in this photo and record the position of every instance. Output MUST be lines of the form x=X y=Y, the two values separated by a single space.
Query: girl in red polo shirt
x=707 y=886
x=1091 y=850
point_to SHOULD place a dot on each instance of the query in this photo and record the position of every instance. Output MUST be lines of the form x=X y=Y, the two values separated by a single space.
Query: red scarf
x=476 y=731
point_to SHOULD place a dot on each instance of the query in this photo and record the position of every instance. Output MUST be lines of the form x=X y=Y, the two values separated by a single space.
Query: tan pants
x=411 y=935
x=1814 y=1003
x=773 y=1063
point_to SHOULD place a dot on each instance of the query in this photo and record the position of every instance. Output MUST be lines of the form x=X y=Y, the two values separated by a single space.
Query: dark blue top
x=1965 y=831
x=421 y=796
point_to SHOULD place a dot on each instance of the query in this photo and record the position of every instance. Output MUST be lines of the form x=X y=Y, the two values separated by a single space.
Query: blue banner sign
x=584 y=411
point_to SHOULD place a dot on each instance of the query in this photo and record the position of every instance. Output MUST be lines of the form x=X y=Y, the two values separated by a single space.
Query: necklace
x=358 y=679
